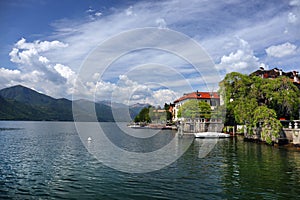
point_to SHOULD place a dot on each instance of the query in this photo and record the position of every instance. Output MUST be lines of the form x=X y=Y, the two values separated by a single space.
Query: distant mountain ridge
x=22 y=103
x=26 y=95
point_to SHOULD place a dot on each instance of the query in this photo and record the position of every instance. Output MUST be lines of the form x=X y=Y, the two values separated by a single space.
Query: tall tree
x=244 y=93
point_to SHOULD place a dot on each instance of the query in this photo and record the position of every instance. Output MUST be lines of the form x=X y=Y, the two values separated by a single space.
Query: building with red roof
x=212 y=98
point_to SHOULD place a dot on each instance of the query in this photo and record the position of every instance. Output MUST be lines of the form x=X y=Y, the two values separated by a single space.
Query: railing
x=295 y=124
x=189 y=125
x=293 y=131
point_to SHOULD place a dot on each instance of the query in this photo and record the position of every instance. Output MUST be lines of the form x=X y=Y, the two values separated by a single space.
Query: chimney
x=280 y=72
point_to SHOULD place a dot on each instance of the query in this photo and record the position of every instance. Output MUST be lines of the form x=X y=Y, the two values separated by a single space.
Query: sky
x=57 y=47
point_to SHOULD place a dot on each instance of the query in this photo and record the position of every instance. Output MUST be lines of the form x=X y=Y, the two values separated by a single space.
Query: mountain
x=22 y=103
x=26 y=104
x=25 y=95
x=122 y=112
x=14 y=110
x=135 y=109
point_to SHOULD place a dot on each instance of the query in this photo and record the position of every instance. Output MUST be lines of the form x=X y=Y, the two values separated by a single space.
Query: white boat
x=134 y=126
x=211 y=135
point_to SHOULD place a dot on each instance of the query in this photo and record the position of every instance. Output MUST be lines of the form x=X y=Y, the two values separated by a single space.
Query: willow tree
x=242 y=94
x=234 y=89
x=266 y=118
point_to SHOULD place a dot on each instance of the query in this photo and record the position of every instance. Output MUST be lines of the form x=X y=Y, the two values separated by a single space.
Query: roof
x=198 y=95
x=273 y=73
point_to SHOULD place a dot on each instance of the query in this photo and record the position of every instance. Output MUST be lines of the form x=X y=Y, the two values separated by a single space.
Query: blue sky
x=44 y=44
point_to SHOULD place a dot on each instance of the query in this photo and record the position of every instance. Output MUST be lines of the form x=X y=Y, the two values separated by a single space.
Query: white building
x=212 y=98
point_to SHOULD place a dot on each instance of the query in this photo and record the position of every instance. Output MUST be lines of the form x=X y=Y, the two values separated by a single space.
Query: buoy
x=89 y=139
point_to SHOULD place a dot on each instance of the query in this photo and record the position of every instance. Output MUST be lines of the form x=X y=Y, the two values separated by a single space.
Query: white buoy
x=89 y=139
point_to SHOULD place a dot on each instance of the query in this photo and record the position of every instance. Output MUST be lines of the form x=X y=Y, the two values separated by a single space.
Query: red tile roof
x=198 y=95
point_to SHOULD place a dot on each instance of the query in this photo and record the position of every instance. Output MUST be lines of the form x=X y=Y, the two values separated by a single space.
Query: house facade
x=212 y=98
x=275 y=72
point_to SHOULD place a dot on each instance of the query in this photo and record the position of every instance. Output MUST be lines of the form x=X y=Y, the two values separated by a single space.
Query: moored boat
x=211 y=135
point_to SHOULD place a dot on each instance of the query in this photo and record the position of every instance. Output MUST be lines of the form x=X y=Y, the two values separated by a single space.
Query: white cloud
x=292 y=18
x=24 y=52
x=98 y=14
x=35 y=70
x=127 y=91
x=64 y=71
x=43 y=59
x=90 y=10
x=281 y=50
x=161 y=23
x=212 y=24
x=295 y=3
x=129 y=11
x=241 y=60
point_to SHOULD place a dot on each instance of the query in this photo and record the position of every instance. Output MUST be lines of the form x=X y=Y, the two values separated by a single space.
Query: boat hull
x=211 y=135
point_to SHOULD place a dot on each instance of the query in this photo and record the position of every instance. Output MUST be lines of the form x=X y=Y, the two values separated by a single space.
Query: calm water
x=46 y=160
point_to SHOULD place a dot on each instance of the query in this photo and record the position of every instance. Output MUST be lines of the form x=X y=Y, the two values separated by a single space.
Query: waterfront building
x=212 y=98
x=275 y=72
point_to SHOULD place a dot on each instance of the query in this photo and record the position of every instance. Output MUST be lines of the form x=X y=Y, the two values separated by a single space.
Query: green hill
x=22 y=103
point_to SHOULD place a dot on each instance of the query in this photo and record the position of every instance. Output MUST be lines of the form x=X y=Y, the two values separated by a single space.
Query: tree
x=204 y=110
x=243 y=110
x=241 y=92
x=168 y=113
x=234 y=88
x=194 y=109
x=252 y=99
x=267 y=118
x=143 y=116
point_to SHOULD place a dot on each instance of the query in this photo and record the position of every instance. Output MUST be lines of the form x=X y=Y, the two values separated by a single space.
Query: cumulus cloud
x=56 y=62
x=23 y=52
x=241 y=60
x=127 y=91
x=35 y=70
x=281 y=50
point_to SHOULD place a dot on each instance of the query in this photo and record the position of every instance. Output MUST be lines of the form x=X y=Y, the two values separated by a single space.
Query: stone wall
x=287 y=135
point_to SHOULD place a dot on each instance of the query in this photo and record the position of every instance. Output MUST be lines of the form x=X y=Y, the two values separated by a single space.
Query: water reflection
x=206 y=145
x=46 y=160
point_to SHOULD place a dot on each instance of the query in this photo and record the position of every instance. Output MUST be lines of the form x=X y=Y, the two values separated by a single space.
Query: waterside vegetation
x=258 y=102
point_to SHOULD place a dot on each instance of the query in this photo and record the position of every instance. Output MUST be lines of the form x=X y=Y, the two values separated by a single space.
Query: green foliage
x=271 y=126
x=243 y=93
x=195 y=109
x=168 y=113
x=21 y=103
x=243 y=110
x=268 y=98
x=143 y=116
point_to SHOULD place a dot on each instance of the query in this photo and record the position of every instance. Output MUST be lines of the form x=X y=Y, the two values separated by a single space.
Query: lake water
x=47 y=160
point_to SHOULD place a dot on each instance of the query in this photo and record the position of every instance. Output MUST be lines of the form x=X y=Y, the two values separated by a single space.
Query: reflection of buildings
x=212 y=98
x=274 y=73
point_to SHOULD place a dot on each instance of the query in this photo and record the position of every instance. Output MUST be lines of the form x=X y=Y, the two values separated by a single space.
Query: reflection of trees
x=260 y=171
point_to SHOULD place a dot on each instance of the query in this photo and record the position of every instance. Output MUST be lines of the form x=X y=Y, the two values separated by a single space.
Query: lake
x=47 y=160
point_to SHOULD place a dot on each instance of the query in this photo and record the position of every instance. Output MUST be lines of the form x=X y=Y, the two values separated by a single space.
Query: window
x=213 y=103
